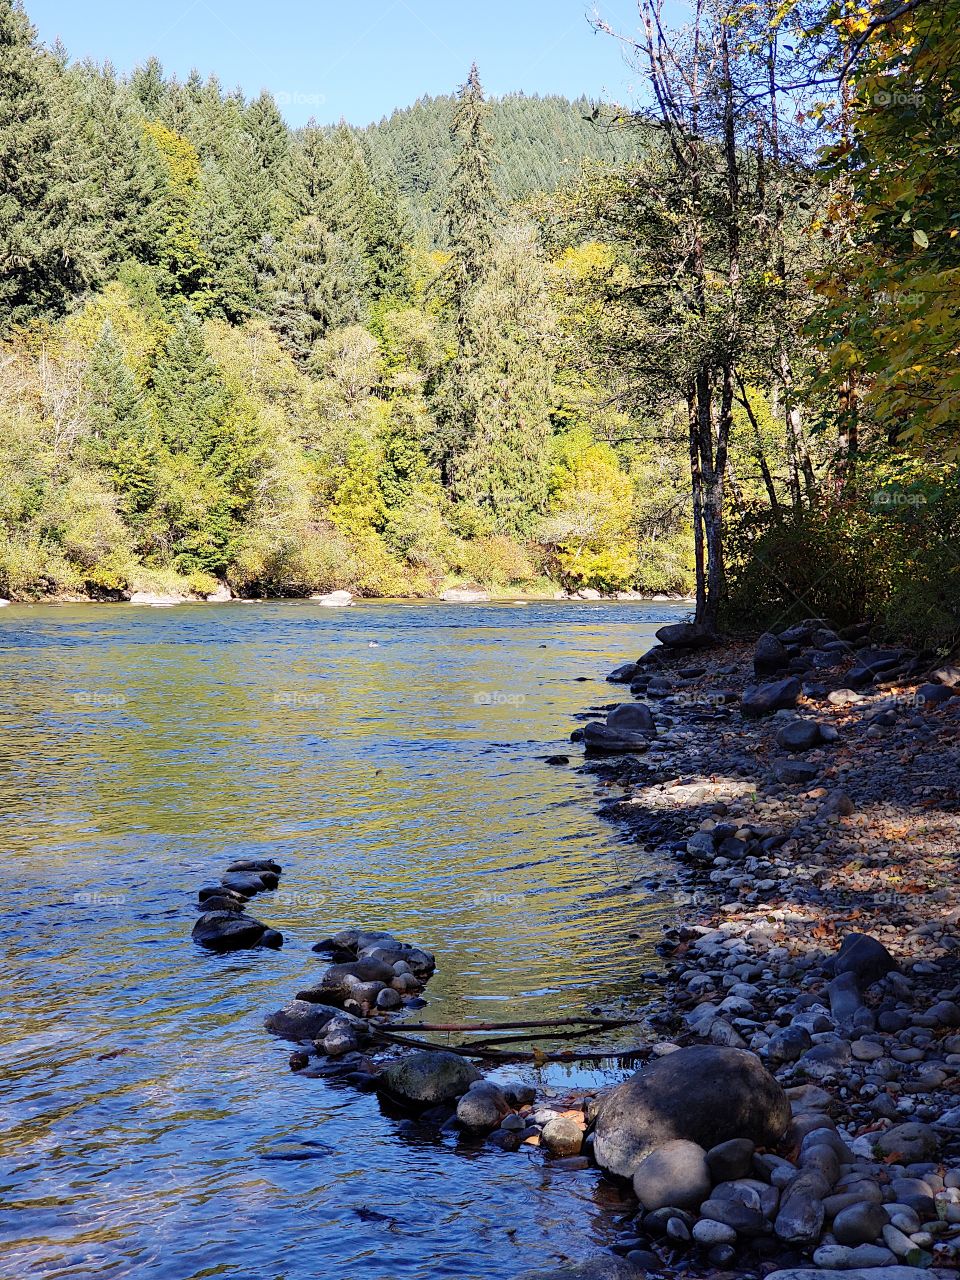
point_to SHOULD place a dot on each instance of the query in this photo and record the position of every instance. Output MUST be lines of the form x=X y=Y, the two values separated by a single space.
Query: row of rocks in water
x=224 y=925
x=858 y=1036
x=375 y=976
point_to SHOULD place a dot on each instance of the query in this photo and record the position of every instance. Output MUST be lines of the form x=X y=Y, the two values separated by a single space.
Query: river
x=390 y=756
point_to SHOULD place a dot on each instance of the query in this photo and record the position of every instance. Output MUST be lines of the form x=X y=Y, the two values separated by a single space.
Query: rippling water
x=390 y=757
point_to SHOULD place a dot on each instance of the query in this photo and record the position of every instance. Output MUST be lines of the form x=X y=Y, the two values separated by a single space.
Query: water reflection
x=402 y=786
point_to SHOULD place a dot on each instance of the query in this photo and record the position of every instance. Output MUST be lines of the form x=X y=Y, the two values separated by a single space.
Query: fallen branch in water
x=601 y=1023
x=502 y=1055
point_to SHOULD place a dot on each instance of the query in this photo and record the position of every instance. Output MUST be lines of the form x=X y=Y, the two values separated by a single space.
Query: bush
x=869 y=557
x=496 y=560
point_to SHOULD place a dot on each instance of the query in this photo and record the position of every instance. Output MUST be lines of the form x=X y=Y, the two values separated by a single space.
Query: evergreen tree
x=271 y=137
x=124 y=175
x=470 y=217
x=235 y=217
x=472 y=201
x=119 y=436
x=179 y=250
x=212 y=452
x=504 y=380
x=149 y=87
x=46 y=253
x=317 y=285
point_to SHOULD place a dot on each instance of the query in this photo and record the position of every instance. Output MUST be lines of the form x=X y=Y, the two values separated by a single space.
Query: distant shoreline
x=518 y=598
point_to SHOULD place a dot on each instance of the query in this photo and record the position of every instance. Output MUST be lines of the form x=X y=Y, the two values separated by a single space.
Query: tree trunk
x=696 y=490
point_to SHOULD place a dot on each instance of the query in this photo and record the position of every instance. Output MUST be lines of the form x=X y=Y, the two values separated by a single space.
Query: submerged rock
x=604 y=1267
x=705 y=1094
x=482 y=1107
x=427 y=1078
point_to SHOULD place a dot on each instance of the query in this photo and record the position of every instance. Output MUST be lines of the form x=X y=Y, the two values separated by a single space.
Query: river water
x=390 y=756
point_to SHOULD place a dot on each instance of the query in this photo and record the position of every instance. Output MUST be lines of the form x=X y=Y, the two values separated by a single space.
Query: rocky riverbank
x=807 y=790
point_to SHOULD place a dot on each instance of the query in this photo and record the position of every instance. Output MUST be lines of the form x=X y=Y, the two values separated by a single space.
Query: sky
x=330 y=60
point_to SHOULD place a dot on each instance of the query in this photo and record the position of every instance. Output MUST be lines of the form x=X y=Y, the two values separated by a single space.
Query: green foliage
x=316 y=285
x=47 y=251
x=888 y=551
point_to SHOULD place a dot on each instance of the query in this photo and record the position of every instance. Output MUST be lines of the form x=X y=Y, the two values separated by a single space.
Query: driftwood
x=501 y=1055
x=601 y=1024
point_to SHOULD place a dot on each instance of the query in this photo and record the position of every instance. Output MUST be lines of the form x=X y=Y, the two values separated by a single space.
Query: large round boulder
x=705 y=1094
x=428 y=1078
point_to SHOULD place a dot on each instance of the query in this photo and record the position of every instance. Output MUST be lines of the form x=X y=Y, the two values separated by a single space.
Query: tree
x=472 y=201
x=179 y=252
x=890 y=320
x=316 y=285
x=706 y=300
x=505 y=380
x=47 y=253
x=212 y=451
x=119 y=438
x=123 y=171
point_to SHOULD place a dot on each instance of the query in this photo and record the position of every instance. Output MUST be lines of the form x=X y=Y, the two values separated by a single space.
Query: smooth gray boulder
x=911 y=1143
x=864 y=957
x=861 y=1223
x=427 y=1078
x=795 y=772
x=299 y=1020
x=706 y=1094
x=601 y=737
x=770 y=655
x=562 y=1136
x=675 y=1174
x=686 y=635
x=340 y=980
x=631 y=717
x=765 y=699
x=861 y=1273
x=799 y=735
x=623 y=674
x=482 y=1107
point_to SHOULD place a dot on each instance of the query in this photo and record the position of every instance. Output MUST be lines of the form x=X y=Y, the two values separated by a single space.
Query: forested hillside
x=707 y=345
x=539 y=145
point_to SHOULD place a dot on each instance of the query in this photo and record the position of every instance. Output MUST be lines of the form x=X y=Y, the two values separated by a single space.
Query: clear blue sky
x=330 y=59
